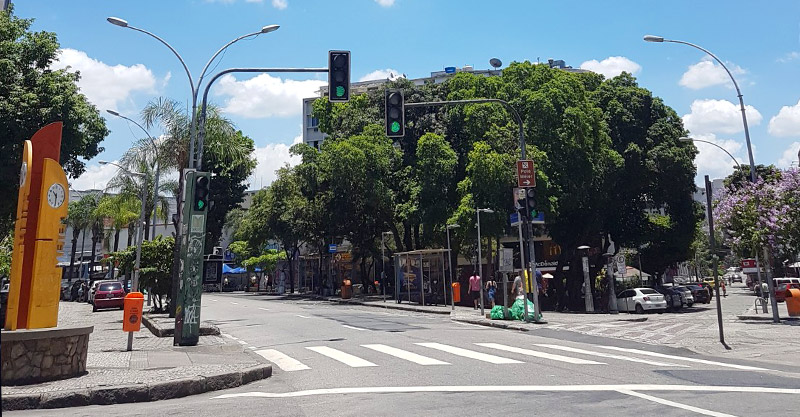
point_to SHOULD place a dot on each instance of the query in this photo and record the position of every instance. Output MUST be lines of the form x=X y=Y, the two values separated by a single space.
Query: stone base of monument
x=41 y=355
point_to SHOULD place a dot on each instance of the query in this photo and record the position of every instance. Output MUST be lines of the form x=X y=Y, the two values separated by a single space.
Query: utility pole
x=712 y=245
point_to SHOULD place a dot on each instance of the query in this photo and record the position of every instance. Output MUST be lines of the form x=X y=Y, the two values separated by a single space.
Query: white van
x=785 y=280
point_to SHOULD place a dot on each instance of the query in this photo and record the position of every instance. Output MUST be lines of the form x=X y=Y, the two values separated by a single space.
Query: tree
x=33 y=95
x=122 y=209
x=741 y=175
x=78 y=218
x=156 y=263
x=6 y=248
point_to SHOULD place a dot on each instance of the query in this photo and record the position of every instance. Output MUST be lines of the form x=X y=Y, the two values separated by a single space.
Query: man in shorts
x=475 y=289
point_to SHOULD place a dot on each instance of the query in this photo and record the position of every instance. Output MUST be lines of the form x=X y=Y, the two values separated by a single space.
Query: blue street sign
x=539 y=219
x=331 y=248
x=513 y=218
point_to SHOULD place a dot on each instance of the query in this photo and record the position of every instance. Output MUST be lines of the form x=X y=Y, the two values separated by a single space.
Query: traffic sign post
x=526 y=177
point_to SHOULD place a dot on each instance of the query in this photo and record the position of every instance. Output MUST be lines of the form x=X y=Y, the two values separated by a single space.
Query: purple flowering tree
x=776 y=223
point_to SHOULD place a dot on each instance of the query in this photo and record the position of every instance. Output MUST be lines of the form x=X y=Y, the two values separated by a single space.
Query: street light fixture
x=687 y=139
x=139 y=236
x=155 y=162
x=450 y=263
x=770 y=284
x=480 y=257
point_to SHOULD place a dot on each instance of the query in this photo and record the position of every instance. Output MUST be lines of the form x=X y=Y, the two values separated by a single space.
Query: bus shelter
x=420 y=276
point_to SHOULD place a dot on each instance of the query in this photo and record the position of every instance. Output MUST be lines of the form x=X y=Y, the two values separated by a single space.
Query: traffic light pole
x=527 y=220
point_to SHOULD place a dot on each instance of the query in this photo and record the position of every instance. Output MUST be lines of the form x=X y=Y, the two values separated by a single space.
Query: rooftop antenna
x=496 y=63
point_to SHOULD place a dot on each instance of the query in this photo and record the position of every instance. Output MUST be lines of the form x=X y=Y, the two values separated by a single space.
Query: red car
x=783 y=290
x=109 y=294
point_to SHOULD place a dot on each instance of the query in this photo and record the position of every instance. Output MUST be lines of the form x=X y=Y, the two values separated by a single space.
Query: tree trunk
x=95 y=238
x=407 y=236
x=147 y=228
x=75 y=234
x=130 y=236
x=116 y=247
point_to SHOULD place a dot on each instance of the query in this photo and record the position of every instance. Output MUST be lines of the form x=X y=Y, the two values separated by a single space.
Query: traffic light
x=200 y=201
x=339 y=76
x=530 y=197
x=395 y=114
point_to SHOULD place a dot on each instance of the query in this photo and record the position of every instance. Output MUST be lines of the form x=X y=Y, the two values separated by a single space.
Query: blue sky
x=124 y=69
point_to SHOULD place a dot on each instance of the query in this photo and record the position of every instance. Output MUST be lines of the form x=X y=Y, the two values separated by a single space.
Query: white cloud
x=786 y=123
x=280 y=4
x=718 y=116
x=265 y=95
x=612 y=66
x=270 y=158
x=381 y=74
x=95 y=177
x=788 y=57
x=385 y=3
x=104 y=85
x=712 y=161
x=789 y=156
x=707 y=73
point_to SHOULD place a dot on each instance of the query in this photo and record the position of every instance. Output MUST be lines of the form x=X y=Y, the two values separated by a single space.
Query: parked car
x=109 y=294
x=673 y=297
x=688 y=297
x=699 y=293
x=709 y=288
x=782 y=290
x=641 y=300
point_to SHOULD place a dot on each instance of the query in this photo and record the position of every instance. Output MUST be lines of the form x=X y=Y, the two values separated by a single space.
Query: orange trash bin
x=347 y=289
x=132 y=318
x=456 y=292
x=793 y=302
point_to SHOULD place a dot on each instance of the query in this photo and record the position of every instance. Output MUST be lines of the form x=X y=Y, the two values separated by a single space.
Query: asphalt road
x=337 y=360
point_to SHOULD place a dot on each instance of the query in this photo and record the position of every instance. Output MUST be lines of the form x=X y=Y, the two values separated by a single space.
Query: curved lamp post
x=770 y=284
x=687 y=139
x=157 y=166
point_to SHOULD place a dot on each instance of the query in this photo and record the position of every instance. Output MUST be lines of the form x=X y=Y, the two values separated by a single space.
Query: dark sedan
x=699 y=293
x=673 y=297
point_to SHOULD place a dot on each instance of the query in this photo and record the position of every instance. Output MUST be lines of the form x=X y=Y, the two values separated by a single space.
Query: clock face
x=55 y=195
x=23 y=174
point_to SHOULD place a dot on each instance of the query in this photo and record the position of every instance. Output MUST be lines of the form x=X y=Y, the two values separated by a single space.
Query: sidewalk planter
x=41 y=355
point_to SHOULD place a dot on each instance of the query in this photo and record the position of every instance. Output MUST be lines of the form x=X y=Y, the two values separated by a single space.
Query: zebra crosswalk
x=437 y=354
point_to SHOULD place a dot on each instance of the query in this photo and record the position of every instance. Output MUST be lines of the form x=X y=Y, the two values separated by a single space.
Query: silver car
x=688 y=298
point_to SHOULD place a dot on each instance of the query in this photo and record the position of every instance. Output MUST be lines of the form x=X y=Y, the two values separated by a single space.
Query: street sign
x=620 y=260
x=331 y=248
x=513 y=218
x=749 y=266
x=507 y=260
x=539 y=219
x=525 y=174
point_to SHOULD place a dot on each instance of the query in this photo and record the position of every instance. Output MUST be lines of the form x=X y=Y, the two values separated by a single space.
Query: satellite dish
x=496 y=63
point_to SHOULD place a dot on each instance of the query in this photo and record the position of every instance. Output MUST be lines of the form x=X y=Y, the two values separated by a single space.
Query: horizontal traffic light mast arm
x=507 y=105
x=201 y=134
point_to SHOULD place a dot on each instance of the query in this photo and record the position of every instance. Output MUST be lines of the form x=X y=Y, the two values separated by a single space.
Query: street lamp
x=450 y=263
x=480 y=257
x=139 y=236
x=770 y=284
x=383 y=263
x=686 y=139
x=587 y=294
x=155 y=162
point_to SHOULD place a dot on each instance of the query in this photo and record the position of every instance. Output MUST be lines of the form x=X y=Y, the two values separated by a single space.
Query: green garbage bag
x=518 y=309
x=497 y=313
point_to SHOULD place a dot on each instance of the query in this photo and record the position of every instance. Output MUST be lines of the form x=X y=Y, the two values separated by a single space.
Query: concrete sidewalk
x=154 y=370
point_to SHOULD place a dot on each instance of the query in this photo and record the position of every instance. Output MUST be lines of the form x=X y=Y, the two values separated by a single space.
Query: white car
x=641 y=300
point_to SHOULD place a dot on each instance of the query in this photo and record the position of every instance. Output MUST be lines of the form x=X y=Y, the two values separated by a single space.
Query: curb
x=496 y=324
x=766 y=317
x=390 y=306
x=158 y=331
x=136 y=393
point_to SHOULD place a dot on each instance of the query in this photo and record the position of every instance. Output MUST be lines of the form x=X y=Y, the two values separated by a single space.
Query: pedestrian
x=517 y=291
x=724 y=289
x=491 y=289
x=475 y=289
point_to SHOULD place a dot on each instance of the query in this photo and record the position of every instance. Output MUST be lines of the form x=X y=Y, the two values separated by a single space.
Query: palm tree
x=122 y=209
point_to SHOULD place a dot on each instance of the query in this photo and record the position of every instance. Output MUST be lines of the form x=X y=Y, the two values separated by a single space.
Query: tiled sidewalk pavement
x=153 y=361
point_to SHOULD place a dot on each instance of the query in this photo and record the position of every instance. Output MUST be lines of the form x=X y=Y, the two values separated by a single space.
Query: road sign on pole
x=620 y=259
x=525 y=174
x=513 y=218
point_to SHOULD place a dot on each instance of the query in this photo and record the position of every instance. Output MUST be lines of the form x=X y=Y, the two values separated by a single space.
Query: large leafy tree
x=156 y=263
x=33 y=95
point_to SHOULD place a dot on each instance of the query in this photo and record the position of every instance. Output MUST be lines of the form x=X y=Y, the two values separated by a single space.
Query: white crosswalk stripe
x=283 y=361
x=681 y=358
x=404 y=354
x=469 y=353
x=608 y=355
x=542 y=355
x=338 y=355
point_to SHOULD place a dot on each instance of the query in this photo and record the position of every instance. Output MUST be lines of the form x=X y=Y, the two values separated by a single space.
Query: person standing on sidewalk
x=475 y=289
x=491 y=289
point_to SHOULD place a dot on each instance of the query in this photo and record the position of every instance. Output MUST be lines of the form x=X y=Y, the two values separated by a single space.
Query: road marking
x=403 y=354
x=262 y=308
x=542 y=355
x=338 y=355
x=608 y=355
x=354 y=328
x=234 y=303
x=468 y=353
x=674 y=404
x=515 y=388
x=283 y=361
x=301 y=316
x=681 y=358
x=214 y=300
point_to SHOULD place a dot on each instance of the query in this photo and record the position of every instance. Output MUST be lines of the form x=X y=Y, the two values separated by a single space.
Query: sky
x=123 y=69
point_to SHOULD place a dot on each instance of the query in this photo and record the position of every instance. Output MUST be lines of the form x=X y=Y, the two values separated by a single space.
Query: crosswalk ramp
x=439 y=354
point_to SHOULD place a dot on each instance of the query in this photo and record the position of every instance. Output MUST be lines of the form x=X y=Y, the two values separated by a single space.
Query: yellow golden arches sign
x=38 y=234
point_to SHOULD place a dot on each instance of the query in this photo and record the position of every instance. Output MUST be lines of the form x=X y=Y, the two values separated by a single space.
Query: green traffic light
x=200 y=204
x=340 y=91
x=395 y=127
